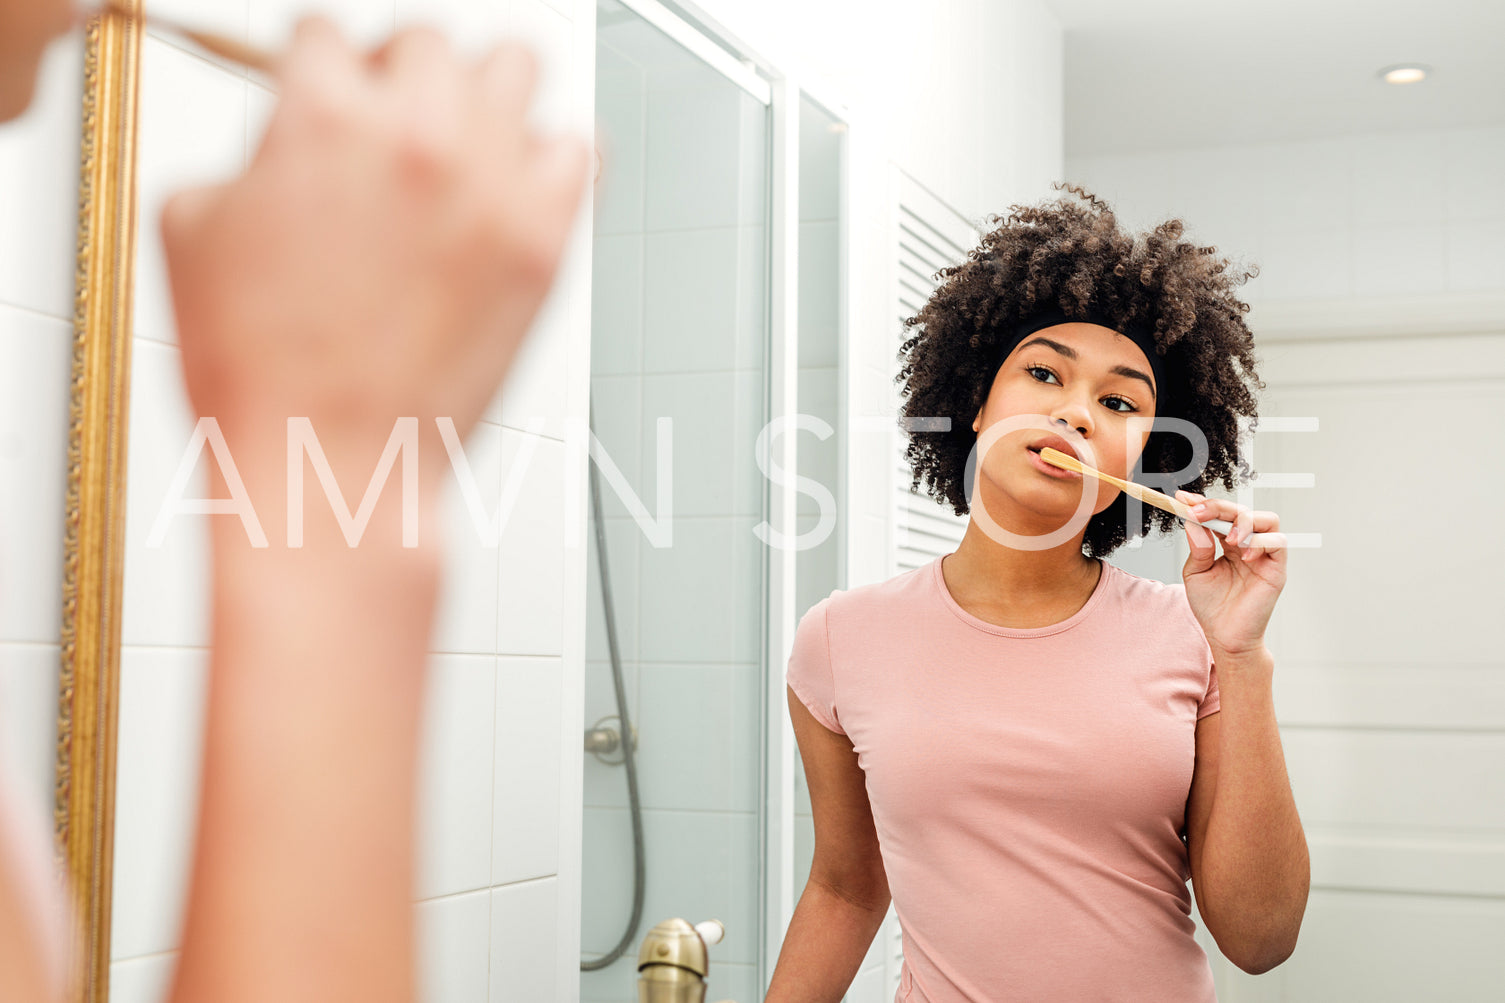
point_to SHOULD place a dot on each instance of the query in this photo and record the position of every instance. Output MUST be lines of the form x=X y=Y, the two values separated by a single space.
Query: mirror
x=1371 y=209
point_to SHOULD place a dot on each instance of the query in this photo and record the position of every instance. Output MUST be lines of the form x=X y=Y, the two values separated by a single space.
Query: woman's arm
x=379 y=262
x=1249 y=863
x=846 y=897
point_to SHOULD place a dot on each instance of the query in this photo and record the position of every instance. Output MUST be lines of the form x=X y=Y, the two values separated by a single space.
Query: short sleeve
x=1210 y=703
x=810 y=675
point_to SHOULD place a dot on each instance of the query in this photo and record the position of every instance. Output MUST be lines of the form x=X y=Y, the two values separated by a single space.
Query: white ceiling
x=1170 y=74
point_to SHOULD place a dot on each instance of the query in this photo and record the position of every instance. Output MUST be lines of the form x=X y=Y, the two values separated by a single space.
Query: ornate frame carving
x=94 y=546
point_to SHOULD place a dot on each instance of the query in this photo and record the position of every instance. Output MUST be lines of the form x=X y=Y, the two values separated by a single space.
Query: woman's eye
x=1127 y=406
x=1036 y=370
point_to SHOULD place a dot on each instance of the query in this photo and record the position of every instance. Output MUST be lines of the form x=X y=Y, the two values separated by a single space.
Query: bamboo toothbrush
x=226 y=48
x=1150 y=496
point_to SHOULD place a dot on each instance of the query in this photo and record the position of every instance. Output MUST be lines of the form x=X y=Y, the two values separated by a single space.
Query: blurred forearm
x=302 y=884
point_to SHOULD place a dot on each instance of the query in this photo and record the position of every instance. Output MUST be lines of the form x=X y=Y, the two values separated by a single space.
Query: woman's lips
x=1050 y=470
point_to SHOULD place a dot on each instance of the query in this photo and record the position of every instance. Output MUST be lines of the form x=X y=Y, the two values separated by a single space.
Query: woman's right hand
x=386 y=250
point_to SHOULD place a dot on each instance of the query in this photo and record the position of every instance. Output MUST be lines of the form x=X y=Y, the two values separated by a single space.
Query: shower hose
x=629 y=755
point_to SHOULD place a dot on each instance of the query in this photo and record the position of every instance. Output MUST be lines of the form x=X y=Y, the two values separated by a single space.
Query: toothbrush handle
x=1222 y=527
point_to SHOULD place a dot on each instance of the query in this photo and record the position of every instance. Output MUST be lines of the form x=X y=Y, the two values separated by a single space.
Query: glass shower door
x=679 y=384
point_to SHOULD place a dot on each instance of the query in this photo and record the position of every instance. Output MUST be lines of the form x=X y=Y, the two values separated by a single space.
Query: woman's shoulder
x=1149 y=600
x=1149 y=595
x=878 y=598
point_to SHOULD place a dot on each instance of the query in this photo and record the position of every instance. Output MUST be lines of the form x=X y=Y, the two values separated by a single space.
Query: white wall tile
x=530 y=597
x=534 y=390
x=35 y=377
x=725 y=624
x=1315 y=264
x=623 y=539
x=28 y=722
x=819 y=293
x=700 y=863
x=818 y=458
x=39 y=159
x=752 y=298
x=142 y=980
x=1395 y=260
x=193 y=132
x=729 y=981
x=617 y=424
x=467 y=610
x=695 y=157
x=1398 y=179
x=455 y=775
x=617 y=305
x=454 y=948
x=1306 y=186
x=621 y=130
x=607 y=884
x=1476 y=255
x=604 y=784
x=1218 y=196
x=1473 y=160
x=525 y=843
x=524 y=954
x=820 y=164
x=690 y=289
x=716 y=419
x=618 y=981
x=166 y=590
x=162 y=707
x=699 y=741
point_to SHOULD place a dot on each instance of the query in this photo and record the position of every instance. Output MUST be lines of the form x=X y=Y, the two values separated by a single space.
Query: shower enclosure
x=680 y=392
x=718 y=384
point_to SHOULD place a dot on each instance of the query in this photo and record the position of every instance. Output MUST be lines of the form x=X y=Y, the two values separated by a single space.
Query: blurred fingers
x=508 y=78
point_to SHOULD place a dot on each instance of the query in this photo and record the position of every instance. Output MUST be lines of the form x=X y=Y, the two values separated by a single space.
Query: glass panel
x=679 y=334
x=820 y=570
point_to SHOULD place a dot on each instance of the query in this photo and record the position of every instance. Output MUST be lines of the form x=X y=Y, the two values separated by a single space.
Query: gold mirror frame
x=94 y=542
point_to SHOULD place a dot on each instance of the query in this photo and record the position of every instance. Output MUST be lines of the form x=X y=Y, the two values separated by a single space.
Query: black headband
x=1141 y=335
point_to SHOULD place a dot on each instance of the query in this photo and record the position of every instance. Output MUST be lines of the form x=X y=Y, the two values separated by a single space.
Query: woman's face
x=1075 y=376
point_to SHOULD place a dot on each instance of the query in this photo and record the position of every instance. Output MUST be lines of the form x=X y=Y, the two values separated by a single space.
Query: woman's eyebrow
x=1071 y=354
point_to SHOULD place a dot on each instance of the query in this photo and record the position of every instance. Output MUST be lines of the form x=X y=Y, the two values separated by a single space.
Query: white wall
x=1352 y=218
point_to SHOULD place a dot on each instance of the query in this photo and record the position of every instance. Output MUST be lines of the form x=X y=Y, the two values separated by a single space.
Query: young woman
x=1027 y=750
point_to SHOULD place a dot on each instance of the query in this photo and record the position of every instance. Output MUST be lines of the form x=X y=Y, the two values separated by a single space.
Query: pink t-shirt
x=1028 y=786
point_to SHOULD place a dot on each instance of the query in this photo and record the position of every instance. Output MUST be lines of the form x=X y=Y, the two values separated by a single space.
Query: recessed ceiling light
x=1405 y=73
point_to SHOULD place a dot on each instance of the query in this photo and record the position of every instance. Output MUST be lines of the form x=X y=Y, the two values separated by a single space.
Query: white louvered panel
x=928 y=236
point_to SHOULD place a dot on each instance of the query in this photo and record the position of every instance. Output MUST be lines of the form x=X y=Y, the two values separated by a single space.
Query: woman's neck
x=1016 y=588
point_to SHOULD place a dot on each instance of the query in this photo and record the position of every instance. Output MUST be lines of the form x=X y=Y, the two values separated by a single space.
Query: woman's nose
x=1072 y=418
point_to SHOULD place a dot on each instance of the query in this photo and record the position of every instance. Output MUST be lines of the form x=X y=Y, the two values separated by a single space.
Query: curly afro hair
x=1069 y=253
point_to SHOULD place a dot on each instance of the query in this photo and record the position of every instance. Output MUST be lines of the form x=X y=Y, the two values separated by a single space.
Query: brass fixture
x=605 y=738
x=673 y=962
